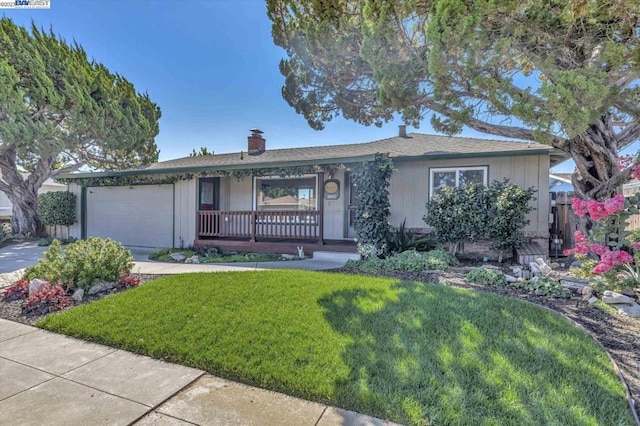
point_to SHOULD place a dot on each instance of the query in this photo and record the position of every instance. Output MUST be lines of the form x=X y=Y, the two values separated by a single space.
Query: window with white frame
x=297 y=193
x=456 y=176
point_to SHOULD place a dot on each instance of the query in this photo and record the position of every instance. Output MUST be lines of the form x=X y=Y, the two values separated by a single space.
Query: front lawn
x=403 y=351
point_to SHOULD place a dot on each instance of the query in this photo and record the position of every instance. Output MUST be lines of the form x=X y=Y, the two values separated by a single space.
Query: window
x=455 y=176
x=286 y=194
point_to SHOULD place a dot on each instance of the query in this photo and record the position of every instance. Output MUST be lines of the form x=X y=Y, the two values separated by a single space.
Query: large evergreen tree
x=59 y=112
x=560 y=72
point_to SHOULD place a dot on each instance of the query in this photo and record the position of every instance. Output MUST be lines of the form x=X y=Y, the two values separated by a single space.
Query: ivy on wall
x=170 y=178
x=372 y=215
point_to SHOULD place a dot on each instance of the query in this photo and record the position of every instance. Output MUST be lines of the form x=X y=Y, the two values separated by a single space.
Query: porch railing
x=282 y=224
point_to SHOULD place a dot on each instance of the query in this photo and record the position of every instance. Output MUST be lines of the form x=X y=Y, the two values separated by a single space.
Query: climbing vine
x=372 y=215
x=170 y=178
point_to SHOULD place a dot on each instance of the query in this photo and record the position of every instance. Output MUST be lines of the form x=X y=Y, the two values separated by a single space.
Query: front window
x=286 y=194
x=456 y=176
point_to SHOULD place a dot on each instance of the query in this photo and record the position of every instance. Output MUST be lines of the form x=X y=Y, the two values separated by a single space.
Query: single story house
x=6 y=207
x=277 y=199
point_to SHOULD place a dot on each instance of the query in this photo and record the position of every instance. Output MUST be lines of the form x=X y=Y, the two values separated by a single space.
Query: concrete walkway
x=73 y=382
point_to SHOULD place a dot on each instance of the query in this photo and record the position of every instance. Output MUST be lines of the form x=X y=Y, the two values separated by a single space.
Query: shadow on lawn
x=443 y=356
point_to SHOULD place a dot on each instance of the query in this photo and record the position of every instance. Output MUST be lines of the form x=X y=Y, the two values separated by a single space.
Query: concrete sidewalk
x=47 y=378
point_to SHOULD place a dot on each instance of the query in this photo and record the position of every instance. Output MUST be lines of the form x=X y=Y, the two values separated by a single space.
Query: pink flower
x=599 y=249
x=602 y=268
x=596 y=210
x=615 y=204
x=635 y=246
x=582 y=244
x=635 y=171
x=579 y=207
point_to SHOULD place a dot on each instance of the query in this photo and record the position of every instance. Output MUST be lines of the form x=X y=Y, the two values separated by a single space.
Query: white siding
x=334 y=211
x=410 y=186
x=186 y=200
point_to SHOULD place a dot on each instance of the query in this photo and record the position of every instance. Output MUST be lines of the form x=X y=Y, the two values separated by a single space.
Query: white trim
x=434 y=170
x=254 y=195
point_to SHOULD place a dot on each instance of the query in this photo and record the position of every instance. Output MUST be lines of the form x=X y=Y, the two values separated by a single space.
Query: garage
x=139 y=216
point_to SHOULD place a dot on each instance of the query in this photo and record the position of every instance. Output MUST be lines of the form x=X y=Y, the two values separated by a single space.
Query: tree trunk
x=597 y=176
x=24 y=219
x=23 y=192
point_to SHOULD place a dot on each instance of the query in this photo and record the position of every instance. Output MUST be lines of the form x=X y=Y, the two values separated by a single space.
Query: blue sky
x=211 y=66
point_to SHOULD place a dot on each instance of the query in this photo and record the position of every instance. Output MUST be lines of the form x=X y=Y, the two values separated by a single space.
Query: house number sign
x=331 y=189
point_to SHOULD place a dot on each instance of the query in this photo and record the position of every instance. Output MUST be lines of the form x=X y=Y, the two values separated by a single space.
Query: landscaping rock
x=632 y=310
x=575 y=286
x=489 y=266
x=576 y=264
x=628 y=292
x=587 y=293
x=554 y=265
x=535 y=270
x=289 y=256
x=195 y=259
x=543 y=267
x=78 y=295
x=517 y=271
x=613 y=298
x=36 y=284
x=100 y=287
x=510 y=278
x=593 y=300
x=188 y=260
x=178 y=257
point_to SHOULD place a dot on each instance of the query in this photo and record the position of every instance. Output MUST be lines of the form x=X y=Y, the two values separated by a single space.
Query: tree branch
x=629 y=135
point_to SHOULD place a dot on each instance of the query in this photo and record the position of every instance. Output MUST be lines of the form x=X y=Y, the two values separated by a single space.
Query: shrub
x=129 y=282
x=44 y=242
x=16 y=291
x=372 y=215
x=50 y=299
x=487 y=276
x=159 y=252
x=403 y=239
x=409 y=260
x=544 y=286
x=57 y=208
x=83 y=263
x=470 y=212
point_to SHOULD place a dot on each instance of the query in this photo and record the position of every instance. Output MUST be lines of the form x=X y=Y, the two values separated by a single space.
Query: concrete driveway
x=19 y=256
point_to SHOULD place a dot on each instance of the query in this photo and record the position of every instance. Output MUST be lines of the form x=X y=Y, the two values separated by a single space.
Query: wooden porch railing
x=277 y=224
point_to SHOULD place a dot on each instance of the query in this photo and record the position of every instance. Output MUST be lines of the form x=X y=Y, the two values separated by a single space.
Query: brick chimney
x=402 y=130
x=257 y=144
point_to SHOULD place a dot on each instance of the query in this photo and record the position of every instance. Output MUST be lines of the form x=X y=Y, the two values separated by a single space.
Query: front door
x=352 y=205
x=209 y=194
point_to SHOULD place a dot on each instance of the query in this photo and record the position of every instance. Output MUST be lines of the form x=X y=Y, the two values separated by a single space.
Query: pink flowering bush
x=617 y=249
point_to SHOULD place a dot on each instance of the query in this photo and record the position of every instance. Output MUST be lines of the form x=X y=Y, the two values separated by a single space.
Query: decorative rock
x=489 y=266
x=632 y=310
x=543 y=267
x=510 y=279
x=628 y=292
x=554 y=265
x=100 y=287
x=587 y=292
x=78 y=295
x=593 y=300
x=195 y=259
x=178 y=257
x=521 y=279
x=575 y=286
x=576 y=264
x=613 y=298
x=517 y=271
x=535 y=269
x=289 y=256
x=36 y=284
x=188 y=260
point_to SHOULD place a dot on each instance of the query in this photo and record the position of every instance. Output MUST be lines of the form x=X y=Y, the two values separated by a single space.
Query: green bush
x=372 y=215
x=410 y=260
x=486 y=276
x=403 y=239
x=57 y=208
x=44 y=242
x=83 y=263
x=544 y=286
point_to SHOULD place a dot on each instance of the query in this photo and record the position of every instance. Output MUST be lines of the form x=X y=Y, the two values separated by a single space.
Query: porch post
x=321 y=207
x=254 y=222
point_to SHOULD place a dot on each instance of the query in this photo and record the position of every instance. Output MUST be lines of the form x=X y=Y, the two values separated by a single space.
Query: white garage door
x=135 y=216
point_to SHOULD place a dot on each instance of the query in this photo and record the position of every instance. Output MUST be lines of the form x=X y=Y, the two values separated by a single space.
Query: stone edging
x=630 y=400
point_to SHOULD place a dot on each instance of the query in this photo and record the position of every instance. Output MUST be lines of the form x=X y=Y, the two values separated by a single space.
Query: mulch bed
x=12 y=310
x=619 y=334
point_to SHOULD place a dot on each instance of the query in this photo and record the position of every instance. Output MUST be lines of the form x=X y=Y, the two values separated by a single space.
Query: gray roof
x=415 y=145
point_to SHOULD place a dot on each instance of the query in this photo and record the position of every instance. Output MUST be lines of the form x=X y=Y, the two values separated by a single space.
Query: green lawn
x=403 y=351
